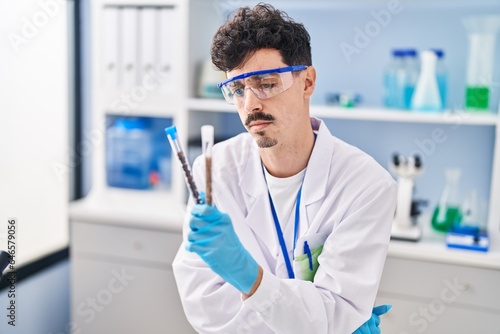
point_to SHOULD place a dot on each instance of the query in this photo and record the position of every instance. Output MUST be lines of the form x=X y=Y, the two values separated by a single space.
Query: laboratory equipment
x=175 y=143
x=412 y=71
x=129 y=152
x=345 y=99
x=441 y=76
x=207 y=138
x=281 y=77
x=208 y=80
x=404 y=227
x=400 y=78
x=468 y=238
x=470 y=211
x=4 y=261
x=482 y=32
x=426 y=96
x=394 y=81
x=447 y=213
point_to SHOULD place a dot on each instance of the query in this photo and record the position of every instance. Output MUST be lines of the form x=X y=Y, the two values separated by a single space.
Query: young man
x=298 y=234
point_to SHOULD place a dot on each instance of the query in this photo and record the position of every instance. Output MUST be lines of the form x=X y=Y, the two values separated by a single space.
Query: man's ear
x=309 y=81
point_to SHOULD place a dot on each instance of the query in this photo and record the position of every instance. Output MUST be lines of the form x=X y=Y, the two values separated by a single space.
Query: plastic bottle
x=394 y=76
x=129 y=153
x=426 y=96
x=447 y=213
x=441 y=76
x=412 y=71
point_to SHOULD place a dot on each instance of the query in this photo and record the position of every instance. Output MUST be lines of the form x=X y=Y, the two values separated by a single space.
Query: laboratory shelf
x=141 y=113
x=455 y=117
x=139 y=3
x=381 y=114
x=356 y=4
x=151 y=104
x=210 y=105
x=432 y=248
x=435 y=250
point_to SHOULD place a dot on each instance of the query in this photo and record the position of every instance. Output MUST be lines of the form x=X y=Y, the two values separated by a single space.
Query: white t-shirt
x=284 y=192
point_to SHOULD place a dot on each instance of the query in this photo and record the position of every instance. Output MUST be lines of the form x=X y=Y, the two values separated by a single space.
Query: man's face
x=276 y=120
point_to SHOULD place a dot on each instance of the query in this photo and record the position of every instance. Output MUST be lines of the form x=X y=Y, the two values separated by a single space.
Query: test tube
x=207 y=138
x=173 y=138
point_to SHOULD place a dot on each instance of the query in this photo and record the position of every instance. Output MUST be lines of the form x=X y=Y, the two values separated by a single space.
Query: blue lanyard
x=295 y=228
x=280 y=233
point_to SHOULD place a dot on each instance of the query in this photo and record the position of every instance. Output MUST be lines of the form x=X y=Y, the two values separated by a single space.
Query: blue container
x=394 y=76
x=129 y=153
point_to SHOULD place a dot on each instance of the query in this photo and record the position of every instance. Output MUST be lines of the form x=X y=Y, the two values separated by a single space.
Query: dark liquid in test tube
x=189 y=177
x=208 y=176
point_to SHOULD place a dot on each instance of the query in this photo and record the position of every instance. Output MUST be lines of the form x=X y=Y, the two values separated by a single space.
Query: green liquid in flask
x=451 y=218
x=476 y=97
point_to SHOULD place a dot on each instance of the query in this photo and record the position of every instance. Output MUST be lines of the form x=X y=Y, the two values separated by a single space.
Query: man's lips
x=257 y=126
x=258 y=118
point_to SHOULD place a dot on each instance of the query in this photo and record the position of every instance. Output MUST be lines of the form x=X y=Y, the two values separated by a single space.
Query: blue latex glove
x=371 y=326
x=212 y=237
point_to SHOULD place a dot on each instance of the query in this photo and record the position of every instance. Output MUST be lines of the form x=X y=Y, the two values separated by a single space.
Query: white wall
x=34 y=118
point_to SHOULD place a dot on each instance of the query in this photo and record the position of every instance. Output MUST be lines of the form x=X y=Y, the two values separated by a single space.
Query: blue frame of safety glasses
x=273 y=70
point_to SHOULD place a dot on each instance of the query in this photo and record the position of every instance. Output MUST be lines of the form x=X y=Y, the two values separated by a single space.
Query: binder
x=128 y=43
x=148 y=44
x=166 y=43
x=110 y=40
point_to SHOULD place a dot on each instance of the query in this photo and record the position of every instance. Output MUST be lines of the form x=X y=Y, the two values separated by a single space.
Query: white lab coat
x=345 y=194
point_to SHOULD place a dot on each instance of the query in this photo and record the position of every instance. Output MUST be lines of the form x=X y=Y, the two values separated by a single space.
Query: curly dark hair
x=252 y=29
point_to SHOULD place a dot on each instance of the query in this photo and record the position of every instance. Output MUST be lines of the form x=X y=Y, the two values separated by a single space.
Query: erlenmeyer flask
x=447 y=212
x=482 y=32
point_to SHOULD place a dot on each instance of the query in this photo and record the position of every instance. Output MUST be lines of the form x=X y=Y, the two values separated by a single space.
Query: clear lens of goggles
x=265 y=84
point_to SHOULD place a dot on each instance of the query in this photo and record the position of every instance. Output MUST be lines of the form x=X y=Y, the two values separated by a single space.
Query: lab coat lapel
x=317 y=174
x=258 y=216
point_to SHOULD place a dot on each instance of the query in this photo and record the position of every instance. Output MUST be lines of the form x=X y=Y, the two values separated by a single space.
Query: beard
x=265 y=142
x=262 y=141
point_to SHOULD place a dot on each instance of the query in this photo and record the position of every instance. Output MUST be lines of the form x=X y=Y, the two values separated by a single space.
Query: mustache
x=258 y=117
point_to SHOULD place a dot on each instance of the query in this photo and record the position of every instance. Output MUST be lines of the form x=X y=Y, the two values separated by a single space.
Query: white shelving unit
x=135 y=233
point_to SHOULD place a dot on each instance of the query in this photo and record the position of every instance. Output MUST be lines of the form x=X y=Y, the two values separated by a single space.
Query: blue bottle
x=394 y=76
x=412 y=70
x=129 y=153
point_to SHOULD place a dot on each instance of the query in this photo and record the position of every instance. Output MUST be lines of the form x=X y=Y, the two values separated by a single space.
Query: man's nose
x=252 y=102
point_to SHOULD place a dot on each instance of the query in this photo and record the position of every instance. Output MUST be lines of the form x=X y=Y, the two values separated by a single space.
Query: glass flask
x=447 y=212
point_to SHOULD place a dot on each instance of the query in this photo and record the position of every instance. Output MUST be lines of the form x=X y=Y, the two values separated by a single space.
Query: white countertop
x=154 y=210
x=432 y=247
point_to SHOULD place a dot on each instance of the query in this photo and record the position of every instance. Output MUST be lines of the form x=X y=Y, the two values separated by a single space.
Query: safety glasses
x=265 y=84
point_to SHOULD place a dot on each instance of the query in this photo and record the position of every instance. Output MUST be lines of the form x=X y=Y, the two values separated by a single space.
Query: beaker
x=426 y=96
x=482 y=32
x=447 y=213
